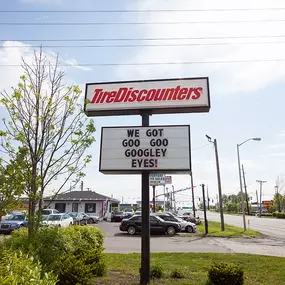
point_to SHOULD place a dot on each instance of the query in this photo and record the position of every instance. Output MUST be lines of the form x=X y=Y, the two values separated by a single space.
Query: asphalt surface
x=274 y=228
x=119 y=242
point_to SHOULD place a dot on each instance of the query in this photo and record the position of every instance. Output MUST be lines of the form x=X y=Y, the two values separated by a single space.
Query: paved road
x=118 y=242
x=268 y=226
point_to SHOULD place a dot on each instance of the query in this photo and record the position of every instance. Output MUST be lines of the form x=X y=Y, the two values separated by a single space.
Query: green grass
x=259 y=270
x=230 y=231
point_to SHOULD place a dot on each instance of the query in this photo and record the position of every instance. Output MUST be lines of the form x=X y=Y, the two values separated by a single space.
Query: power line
x=143 y=10
x=141 y=45
x=158 y=63
x=199 y=147
x=144 y=39
x=137 y=23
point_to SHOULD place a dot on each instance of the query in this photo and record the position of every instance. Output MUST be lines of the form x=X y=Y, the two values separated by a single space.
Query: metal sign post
x=145 y=240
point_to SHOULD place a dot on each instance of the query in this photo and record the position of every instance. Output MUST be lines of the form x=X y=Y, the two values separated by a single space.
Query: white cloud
x=224 y=78
x=276 y=146
x=282 y=134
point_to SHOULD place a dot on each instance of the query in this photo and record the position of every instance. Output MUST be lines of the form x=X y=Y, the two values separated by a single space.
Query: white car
x=185 y=226
x=61 y=220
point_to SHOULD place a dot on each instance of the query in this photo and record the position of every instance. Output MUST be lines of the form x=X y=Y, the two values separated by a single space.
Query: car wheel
x=170 y=230
x=90 y=221
x=70 y=224
x=189 y=229
x=131 y=230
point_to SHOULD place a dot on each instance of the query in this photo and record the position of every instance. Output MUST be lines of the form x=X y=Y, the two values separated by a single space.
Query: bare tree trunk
x=32 y=201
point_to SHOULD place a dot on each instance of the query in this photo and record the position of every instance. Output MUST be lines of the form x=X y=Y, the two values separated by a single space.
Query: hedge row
x=72 y=255
x=279 y=215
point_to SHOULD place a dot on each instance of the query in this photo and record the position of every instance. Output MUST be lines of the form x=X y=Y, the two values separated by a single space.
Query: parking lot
x=120 y=242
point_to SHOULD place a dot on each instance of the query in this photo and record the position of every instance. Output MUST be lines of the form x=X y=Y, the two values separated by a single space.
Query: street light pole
x=240 y=184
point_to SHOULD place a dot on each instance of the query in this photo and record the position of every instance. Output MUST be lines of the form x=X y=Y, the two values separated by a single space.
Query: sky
x=247 y=76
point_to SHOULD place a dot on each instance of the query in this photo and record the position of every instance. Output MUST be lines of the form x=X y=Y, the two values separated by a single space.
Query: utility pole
x=205 y=210
x=245 y=190
x=192 y=183
x=219 y=182
x=153 y=198
x=174 y=203
x=208 y=198
x=192 y=191
x=81 y=185
x=260 y=196
x=257 y=199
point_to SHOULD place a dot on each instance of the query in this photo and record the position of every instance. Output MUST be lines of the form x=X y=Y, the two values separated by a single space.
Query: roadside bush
x=225 y=274
x=62 y=249
x=156 y=271
x=19 y=269
x=176 y=273
x=279 y=215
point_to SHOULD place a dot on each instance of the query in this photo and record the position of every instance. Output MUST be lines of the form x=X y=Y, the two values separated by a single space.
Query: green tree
x=11 y=183
x=46 y=120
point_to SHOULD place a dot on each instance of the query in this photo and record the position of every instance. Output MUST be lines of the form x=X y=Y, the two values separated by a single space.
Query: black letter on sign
x=134 y=163
x=133 y=133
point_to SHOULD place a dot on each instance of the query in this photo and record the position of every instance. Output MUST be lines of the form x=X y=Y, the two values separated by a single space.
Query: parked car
x=187 y=216
x=78 y=218
x=91 y=219
x=117 y=216
x=13 y=222
x=46 y=212
x=157 y=225
x=61 y=220
x=185 y=226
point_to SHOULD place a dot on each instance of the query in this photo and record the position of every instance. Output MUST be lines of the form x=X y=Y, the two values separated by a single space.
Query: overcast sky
x=247 y=97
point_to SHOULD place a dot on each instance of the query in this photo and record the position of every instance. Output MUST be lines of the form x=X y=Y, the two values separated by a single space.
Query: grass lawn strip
x=230 y=231
x=259 y=270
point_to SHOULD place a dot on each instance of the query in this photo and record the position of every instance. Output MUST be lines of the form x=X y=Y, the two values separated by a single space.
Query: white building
x=82 y=201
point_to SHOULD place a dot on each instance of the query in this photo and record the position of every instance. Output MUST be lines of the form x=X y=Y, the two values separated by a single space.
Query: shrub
x=19 y=269
x=225 y=274
x=62 y=249
x=176 y=273
x=279 y=215
x=156 y=271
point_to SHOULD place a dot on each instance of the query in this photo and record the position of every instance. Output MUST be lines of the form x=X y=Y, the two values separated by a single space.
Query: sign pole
x=145 y=239
x=164 y=198
x=153 y=199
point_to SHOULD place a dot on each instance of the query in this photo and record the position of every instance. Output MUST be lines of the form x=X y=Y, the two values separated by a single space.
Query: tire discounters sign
x=130 y=150
x=187 y=95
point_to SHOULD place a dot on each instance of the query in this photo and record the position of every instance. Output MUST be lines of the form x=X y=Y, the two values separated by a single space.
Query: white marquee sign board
x=131 y=150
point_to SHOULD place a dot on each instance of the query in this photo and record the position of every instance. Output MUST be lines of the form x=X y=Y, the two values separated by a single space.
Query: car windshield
x=159 y=218
x=44 y=217
x=16 y=218
x=73 y=215
x=54 y=218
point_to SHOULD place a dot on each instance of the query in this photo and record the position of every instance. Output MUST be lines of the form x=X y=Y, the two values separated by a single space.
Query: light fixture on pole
x=219 y=182
x=240 y=182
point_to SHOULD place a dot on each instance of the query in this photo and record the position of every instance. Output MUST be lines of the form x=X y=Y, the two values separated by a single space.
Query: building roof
x=81 y=195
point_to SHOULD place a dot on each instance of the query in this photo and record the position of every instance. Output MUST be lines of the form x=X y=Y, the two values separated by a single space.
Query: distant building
x=82 y=201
